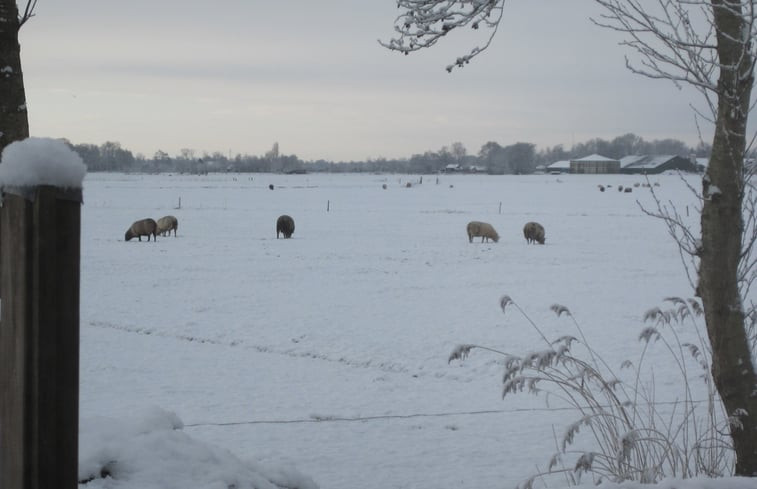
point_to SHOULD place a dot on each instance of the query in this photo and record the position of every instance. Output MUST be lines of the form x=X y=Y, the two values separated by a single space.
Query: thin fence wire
x=329 y=419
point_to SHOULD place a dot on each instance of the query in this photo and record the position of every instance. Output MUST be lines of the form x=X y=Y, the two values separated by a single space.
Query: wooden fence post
x=39 y=337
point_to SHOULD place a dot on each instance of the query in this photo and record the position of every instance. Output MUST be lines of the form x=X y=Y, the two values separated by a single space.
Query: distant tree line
x=492 y=158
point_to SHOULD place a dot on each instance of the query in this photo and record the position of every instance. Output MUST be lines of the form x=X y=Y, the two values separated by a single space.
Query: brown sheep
x=285 y=226
x=534 y=232
x=167 y=224
x=141 y=228
x=483 y=229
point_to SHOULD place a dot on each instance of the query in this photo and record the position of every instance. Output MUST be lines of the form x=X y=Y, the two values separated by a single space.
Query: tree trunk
x=722 y=230
x=14 y=123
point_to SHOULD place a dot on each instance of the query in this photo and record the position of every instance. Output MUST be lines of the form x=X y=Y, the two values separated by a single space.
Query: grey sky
x=242 y=74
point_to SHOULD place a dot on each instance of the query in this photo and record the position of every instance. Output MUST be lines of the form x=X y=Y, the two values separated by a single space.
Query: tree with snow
x=14 y=122
x=708 y=45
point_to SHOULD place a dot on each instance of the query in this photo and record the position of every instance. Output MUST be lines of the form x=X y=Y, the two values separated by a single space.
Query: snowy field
x=328 y=351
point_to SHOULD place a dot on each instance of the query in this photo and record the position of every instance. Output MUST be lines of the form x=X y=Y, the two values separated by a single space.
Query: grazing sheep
x=141 y=228
x=483 y=229
x=285 y=226
x=534 y=232
x=167 y=224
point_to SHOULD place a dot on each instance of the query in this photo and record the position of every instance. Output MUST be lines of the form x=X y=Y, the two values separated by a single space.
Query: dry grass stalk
x=631 y=438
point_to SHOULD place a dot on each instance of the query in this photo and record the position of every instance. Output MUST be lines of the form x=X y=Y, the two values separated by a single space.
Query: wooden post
x=39 y=338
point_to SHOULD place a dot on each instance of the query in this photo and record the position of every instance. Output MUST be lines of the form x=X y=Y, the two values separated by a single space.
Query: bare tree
x=14 y=122
x=706 y=44
x=458 y=152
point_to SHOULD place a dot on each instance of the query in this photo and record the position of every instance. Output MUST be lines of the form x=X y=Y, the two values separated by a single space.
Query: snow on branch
x=423 y=22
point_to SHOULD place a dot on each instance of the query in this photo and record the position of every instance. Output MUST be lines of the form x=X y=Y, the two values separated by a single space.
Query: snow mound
x=41 y=161
x=150 y=451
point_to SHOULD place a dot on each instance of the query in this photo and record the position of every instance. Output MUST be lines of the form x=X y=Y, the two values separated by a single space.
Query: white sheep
x=167 y=224
x=483 y=229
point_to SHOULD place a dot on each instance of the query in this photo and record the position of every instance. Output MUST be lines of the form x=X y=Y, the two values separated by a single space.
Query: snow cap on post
x=40 y=161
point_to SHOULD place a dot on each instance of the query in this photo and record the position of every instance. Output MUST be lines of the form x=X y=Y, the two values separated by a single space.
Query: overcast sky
x=237 y=76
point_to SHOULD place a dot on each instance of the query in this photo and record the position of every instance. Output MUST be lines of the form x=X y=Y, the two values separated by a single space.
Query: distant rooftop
x=595 y=157
x=644 y=161
x=562 y=164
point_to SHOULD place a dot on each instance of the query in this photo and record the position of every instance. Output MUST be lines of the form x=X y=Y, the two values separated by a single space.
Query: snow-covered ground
x=328 y=352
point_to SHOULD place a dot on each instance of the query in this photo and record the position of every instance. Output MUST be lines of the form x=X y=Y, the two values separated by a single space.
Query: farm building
x=653 y=164
x=562 y=166
x=595 y=164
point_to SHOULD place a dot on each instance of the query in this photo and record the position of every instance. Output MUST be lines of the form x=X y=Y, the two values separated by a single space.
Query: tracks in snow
x=387 y=367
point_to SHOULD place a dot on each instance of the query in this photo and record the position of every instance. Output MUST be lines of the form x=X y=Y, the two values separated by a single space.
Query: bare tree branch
x=28 y=12
x=424 y=22
x=689 y=245
x=670 y=46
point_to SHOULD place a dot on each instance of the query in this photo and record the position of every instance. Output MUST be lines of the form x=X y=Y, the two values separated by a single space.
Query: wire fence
x=340 y=419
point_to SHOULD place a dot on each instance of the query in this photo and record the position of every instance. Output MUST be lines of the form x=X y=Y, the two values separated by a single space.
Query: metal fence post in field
x=39 y=336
